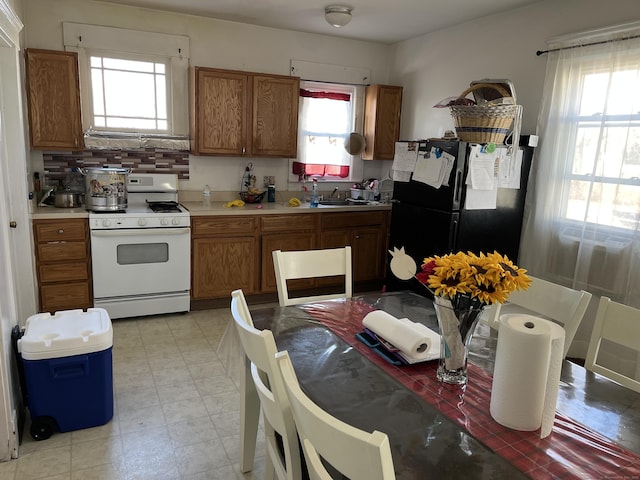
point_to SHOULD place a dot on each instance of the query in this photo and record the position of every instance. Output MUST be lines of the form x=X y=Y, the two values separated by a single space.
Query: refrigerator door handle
x=453 y=241
x=456 y=188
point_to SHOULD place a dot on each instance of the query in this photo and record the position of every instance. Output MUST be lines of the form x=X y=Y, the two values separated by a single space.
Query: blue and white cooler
x=68 y=370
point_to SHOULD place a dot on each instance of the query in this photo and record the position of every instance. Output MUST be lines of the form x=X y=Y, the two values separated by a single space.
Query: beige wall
x=430 y=67
x=217 y=44
x=443 y=63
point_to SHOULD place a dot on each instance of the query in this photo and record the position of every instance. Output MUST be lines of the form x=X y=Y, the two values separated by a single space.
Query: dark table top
x=425 y=443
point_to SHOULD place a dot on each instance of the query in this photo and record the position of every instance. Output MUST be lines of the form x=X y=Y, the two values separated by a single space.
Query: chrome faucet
x=332 y=193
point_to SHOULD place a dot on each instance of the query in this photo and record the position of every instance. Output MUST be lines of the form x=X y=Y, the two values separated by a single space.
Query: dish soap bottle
x=314 y=194
x=206 y=196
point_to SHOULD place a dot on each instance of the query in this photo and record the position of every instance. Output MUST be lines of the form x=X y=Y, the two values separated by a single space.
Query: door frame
x=17 y=297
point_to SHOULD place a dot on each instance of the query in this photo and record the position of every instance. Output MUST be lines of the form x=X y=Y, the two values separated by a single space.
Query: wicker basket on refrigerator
x=486 y=123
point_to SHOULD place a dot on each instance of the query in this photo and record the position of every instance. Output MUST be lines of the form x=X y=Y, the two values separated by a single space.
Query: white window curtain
x=583 y=211
x=325 y=123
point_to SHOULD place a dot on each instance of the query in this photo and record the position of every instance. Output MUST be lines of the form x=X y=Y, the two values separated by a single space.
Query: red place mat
x=571 y=451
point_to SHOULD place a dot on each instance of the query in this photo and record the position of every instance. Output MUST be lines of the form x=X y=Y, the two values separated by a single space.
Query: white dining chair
x=356 y=454
x=312 y=264
x=260 y=348
x=561 y=304
x=619 y=324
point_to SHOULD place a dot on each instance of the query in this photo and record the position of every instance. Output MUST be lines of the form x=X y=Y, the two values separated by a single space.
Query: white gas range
x=141 y=256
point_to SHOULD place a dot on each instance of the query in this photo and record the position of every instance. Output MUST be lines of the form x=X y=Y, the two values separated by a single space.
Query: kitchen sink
x=333 y=202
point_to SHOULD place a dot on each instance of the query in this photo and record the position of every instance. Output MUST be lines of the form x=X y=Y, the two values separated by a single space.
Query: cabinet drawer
x=356 y=219
x=288 y=223
x=61 y=231
x=61 y=251
x=223 y=226
x=60 y=272
x=65 y=296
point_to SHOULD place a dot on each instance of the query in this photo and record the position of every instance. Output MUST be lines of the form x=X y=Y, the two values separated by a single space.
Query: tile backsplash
x=61 y=166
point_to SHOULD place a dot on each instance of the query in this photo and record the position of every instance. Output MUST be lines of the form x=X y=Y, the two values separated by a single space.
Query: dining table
x=438 y=430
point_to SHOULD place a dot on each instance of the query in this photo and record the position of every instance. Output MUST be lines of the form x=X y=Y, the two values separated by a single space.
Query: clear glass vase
x=456 y=330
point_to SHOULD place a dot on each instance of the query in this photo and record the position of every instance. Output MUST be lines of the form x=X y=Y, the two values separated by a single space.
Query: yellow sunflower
x=486 y=278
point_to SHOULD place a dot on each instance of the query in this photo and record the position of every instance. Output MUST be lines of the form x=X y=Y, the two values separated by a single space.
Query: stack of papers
x=434 y=169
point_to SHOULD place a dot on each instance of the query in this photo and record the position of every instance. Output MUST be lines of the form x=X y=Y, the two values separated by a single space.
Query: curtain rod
x=542 y=52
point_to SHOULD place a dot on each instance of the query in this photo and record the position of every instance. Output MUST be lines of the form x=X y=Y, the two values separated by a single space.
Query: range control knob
x=106 y=222
x=142 y=222
x=176 y=221
x=164 y=221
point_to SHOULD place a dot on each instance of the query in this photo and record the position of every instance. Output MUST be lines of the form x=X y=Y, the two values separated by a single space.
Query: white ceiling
x=384 y=21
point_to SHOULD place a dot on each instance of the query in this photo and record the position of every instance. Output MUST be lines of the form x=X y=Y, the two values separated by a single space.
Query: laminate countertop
x=218 y=208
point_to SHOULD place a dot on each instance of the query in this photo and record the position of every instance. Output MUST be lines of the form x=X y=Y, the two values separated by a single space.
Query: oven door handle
x=141 y=232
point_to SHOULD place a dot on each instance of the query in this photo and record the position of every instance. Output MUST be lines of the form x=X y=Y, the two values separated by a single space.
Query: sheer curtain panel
x=583 y=211
x=325 y=121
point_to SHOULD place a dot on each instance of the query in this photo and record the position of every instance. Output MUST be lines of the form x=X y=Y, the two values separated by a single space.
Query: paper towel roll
x=411 y=338
x=527 y=373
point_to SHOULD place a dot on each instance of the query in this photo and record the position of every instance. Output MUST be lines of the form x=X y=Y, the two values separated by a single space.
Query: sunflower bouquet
x=470 y=280
x=463 y=284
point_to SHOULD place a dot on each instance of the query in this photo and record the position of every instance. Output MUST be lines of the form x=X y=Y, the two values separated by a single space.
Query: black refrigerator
x=429 y=221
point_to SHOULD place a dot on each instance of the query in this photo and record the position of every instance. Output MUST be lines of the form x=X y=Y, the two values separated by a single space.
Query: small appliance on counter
x=66 y=198
x=105 y=188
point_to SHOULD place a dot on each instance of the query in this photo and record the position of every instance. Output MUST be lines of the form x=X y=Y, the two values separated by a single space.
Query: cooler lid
x=66 y=333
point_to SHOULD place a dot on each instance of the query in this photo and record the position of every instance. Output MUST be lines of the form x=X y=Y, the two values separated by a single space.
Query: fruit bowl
x=252 y=197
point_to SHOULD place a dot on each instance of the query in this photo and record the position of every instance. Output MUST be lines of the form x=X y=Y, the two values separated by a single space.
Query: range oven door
x=129 y=264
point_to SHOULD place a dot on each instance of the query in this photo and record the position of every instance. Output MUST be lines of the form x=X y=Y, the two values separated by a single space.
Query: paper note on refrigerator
x=482 y=168
x=482 y=187
x=509 y=168
x=404 y=161
x=434 y=169
x=481 y=199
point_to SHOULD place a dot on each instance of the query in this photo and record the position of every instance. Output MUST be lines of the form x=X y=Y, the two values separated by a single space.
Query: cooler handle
x=72 y=367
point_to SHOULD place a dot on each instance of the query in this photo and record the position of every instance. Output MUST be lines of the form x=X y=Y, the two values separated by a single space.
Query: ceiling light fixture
x=337 y=15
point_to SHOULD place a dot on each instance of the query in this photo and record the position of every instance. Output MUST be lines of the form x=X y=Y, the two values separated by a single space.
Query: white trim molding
x=10 y=26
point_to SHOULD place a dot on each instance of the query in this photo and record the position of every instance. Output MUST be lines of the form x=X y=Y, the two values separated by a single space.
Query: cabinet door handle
x=357 y=237
x=61 y=231
x=13 y=224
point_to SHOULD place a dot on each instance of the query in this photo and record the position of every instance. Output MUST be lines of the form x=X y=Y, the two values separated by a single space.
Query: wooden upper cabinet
x=383 y=105
x=241 y=113
x=275 y=116
x=53 y=96
x=219 y=111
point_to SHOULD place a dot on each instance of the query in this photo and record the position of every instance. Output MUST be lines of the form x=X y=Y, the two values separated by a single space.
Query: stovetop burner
x=163 y=207
x=106 y=212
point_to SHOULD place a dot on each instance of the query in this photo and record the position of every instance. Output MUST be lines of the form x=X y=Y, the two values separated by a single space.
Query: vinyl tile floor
x=176 y=411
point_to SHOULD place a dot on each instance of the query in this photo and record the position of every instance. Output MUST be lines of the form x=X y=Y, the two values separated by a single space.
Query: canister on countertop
x=271 y=193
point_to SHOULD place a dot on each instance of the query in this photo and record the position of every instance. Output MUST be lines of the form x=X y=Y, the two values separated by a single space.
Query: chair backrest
x=312 y=264
x=356 y=454
x=260 y=347
x=564 y=305
x=619 y=324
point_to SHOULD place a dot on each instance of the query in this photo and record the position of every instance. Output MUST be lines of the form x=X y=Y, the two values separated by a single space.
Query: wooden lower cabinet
x=63 y=264
x=232 y=252
x=366 y=233
x=225 y=256
x=286 y=233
